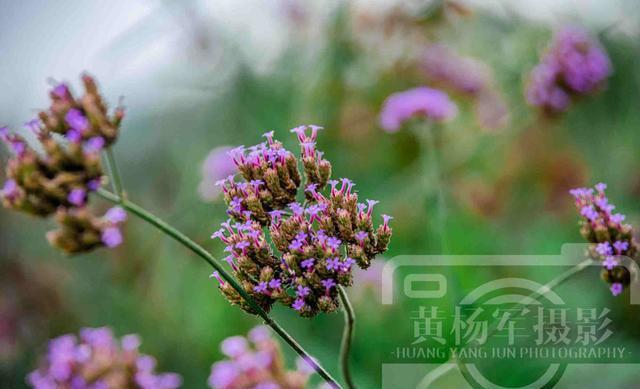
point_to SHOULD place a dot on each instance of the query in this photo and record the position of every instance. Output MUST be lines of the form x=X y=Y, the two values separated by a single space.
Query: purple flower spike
x=604 y=249
x=76 y=119
x=234 y=346
x=275 y=283
x=298 y=304
x=269 y=136
x=307 y=263
x=361 y=236
x=616 y=288
x=620 y=246
x=73 y=136
x=385 y=220
x=61 y=91
x=77 y=197
x=574 y=65
x=131 y=342
x=33 y=125
x=69 y=358
x=422 y=101
x=216 y=275
x=328 y=283
x=302 y=291
x=94 y=145
x=116 y=215
x=94 y=184
x=609 y=263
x=10 y=190
x=261 y=287
x=112 y=237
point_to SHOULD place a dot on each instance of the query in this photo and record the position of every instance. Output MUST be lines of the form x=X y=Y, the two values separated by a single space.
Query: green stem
x=347 y=337
x=114 y=174
x=428 y=134
x=202 y=253
x=446 y=367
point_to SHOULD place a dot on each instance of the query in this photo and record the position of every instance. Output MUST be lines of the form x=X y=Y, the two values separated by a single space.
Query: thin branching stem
x=202 y=253
x=347 y=337
x=446 y=367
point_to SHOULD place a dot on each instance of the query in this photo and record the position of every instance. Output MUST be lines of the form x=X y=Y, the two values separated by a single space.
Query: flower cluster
x=422 y=101
x=256 y=362
x=574 y=65
x=469 y=78
x=96 y=359
x=313 y=245
x=61 y=177
x=609 y=236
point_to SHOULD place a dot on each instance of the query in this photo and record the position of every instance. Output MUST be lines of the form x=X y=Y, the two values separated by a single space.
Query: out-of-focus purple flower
x=94 y=144
x=234 y=346
x=112 y=237
x=609 y=262
x=255 y=362
x=76 y=119
x=116 y=215
x=77 y=197
x=131 y=342
x=217 y=166
x=73 y=136
x=424 y=102
x=10 y=190
x=98 y=358
x=463 y=74
x=574 y=64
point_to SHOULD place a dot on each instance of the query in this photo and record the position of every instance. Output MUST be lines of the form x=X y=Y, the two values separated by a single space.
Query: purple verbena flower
x=298 y=304
x=575 y=64
x=261 y=287
x=77 y=197
x=307 y=263
x=112 y=237
x=94 y=144
x=116 y=215
x=620 y=246
x=610 y=262
x=97 y=357
x=76 y=119
x=616 y=288
x=422 y=101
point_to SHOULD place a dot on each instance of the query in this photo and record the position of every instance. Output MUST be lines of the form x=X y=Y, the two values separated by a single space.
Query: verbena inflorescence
x=573 y=65
x=293 y=241
x=609 y=236
x=96 y=359
x=256 y=362
x=422 y=101
x=72 y=133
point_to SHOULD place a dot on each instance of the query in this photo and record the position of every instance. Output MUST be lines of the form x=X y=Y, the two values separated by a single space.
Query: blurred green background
x=196 y=76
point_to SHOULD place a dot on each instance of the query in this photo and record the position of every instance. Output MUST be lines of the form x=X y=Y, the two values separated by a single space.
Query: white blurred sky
x=135 y=43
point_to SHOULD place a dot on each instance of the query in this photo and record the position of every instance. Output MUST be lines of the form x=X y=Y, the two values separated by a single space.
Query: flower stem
x=347 y=337
x=115 y=174
x=446 y=367
x=430 y=154
x=202 y=253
